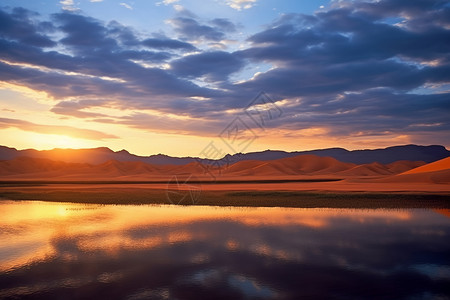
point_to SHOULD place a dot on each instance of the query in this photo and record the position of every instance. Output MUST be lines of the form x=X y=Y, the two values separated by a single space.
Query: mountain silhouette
x=100 y=155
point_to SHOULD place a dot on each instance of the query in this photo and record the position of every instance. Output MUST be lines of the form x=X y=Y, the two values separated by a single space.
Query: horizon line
x=228 y=154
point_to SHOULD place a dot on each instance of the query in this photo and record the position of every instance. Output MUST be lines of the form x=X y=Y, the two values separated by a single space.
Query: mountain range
x=104 y=164
x=101 y=155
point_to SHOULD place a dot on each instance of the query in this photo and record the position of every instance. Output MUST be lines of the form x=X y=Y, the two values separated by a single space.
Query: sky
x=211 y=77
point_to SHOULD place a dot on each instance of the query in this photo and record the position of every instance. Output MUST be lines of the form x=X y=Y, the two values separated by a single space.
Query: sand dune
x=304 y=173
x=443 y=211
x=193 y=168
x=298 y=165
x=315 y=165
x=437 y=172
x=126 y=168
x=404 y=165
x=436 y=177
x=23 y=165
x=373 y=169
x=312 y=164
x=302 y=165
x=249 y=168
x=41 y=168
x=443 y=164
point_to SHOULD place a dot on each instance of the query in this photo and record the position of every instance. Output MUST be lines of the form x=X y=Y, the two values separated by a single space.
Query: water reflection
x=61 y=250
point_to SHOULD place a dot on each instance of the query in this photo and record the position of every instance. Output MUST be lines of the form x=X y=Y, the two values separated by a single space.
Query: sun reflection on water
x=208 y=246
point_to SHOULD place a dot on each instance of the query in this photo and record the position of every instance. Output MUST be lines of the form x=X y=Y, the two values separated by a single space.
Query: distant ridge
x=100 y=155
x=383 y=156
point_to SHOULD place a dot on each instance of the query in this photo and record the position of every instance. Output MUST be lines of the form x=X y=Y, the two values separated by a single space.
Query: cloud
x=82 y=33
x=349 y=69
x=100 y=55
x=122 y=34
x=166 y=43
x=168 y=124
x=68 y=5
x=359 y=113
x=224 y=24
x=215 y=65
x=75 y=108
x=167 y=2
x=241 y=4
x=18 y=25
x=190 y=29
x=179 y=8
x=126 y=5
x=340 y=51
x=55 y=129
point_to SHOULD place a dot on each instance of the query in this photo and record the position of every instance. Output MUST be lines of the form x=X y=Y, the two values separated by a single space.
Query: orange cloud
x=56 y=129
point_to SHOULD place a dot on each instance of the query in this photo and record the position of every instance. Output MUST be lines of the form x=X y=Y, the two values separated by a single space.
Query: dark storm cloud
x=358 y=66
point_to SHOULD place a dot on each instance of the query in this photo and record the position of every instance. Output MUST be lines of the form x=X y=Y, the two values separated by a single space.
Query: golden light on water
x=36 y=226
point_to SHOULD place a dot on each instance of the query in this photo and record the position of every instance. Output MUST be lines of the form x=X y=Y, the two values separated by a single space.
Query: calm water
x=75 y=251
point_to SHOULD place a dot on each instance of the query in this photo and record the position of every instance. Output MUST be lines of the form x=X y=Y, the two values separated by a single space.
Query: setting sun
x=51 y=141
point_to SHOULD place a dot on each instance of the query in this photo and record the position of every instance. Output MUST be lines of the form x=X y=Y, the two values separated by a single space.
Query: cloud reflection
x=159 y=252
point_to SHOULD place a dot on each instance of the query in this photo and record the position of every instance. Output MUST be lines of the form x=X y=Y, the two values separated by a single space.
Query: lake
x=80 y=251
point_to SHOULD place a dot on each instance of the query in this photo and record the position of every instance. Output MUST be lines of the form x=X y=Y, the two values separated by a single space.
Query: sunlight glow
x=49 y=141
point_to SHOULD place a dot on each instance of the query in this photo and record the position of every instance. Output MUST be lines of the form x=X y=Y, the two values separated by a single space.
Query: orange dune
x=404 y=165
x=443 y=164
x=41 y=168
x=438 y=177
x=23 y=165
x=372 y=169
x=298 y=167
x=192 y=168
x=437 y=172
x=377 y=169
x=312 y=164
x=445 y=212
x=123 y=168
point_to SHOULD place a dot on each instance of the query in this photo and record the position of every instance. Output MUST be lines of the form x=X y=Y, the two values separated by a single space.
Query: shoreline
x=165 y=181
x=235 y=197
